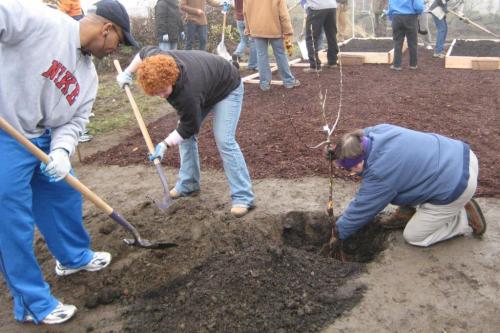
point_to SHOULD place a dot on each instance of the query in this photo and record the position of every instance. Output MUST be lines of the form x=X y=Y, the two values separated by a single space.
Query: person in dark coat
x=169 y=26
x=197 y=83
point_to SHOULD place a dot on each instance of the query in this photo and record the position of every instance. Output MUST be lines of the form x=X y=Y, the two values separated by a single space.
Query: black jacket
x=205 y=79
x=168 y=20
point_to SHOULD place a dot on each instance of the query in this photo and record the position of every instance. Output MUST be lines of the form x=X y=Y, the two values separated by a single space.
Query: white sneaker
x=85 y=138
x=61 y=314
x=99 y=261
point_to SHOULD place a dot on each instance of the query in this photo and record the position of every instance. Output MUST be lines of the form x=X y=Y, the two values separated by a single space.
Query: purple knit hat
x=348 y=163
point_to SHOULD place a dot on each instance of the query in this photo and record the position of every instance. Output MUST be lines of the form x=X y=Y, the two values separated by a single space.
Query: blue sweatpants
x=28 y=198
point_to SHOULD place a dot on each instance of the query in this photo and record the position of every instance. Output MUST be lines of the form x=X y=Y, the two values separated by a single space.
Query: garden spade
x=221 y=48
x=166 y=201
x=467 y=20
x=87 y=193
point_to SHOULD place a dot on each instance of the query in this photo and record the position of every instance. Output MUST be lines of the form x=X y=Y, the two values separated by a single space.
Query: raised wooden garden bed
x=378 y=50
x=479 y=54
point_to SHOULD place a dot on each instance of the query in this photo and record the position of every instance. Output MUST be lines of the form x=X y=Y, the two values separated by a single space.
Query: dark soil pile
x=256 y=290
x=276 y=127
x=368 y=45
x=476 y=48
x=227 y=275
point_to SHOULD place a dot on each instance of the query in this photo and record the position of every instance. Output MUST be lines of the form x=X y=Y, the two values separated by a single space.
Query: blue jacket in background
x=405 y=167
x=405 y=7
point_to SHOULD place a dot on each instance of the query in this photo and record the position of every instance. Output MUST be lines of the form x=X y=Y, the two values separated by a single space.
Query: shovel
x=221 y=48
x=87 y=193
x=167 y=201
x=467 y=20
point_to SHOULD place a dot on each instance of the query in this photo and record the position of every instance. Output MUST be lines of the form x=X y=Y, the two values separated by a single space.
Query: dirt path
x=452 y=287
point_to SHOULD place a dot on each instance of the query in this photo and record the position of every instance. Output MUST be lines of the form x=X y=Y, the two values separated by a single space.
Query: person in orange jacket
x=71 y=7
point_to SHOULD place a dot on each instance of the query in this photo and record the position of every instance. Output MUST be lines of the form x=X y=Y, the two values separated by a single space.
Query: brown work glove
x=288 y=44
x=329 y=152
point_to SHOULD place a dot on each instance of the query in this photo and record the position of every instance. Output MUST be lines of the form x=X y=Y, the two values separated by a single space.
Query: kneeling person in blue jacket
x=434 y=175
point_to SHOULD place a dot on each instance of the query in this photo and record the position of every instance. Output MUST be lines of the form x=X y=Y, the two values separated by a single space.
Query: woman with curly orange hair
x=196 y=83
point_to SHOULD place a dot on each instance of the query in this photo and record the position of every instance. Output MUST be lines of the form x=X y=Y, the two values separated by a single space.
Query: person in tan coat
x=268 y=22
x=196 y=20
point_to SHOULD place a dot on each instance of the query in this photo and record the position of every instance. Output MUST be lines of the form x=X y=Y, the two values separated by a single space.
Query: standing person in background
x=196 y=21
x=169 y=27
x=50 y=106
x=423 y=21
x=378 y=7
x=342 y=13
x=321 y=16
x=245 y=41
x=71 y=7
x=404 y=16
x=303 y=4
x=438 y=9
x=268 y=22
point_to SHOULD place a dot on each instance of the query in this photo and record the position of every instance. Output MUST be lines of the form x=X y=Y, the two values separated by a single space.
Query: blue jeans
x=167 y=46
x=442 y=31
x=262 y=44
x=194 y=29
x=246 y=41
x=28 y=198
x=226 y=116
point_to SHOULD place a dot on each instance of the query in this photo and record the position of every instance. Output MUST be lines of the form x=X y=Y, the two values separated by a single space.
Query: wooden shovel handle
x=72 y=181
x=137 y=113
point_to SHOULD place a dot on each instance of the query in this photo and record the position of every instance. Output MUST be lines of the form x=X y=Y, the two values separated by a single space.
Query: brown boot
x=475 y=217
x=399 y=218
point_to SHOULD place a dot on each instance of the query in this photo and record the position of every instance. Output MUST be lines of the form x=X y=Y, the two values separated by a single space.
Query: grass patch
x=112 y=109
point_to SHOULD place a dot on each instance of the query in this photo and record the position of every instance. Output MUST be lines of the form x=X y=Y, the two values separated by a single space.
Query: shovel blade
x=222 y=51
x=144 y=243
x=164 y=203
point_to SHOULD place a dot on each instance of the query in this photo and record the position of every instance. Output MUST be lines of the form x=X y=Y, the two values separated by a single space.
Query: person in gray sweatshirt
x=47 y=88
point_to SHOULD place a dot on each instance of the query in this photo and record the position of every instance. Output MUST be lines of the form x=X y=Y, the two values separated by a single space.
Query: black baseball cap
x=116 y=13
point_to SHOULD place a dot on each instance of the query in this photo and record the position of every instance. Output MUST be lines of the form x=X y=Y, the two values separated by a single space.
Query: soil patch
x=276 y=127
x=227 y=275
x=256 y=290
x=479 y=48
x=368 y=45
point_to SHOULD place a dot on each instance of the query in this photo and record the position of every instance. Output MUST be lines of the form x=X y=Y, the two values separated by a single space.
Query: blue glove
x=160 y=151
x=59 y=165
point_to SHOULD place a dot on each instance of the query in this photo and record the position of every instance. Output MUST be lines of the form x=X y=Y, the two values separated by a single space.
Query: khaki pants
x=435 y=223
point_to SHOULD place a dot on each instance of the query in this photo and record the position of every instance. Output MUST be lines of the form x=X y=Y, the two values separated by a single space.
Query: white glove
x=173 y=139
x=124 y=78
x=165 y=38
x=59 y=165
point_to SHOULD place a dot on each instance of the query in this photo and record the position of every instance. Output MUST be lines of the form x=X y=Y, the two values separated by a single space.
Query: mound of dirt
x=258 y=289
x=277 y=126
x=226 y=275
